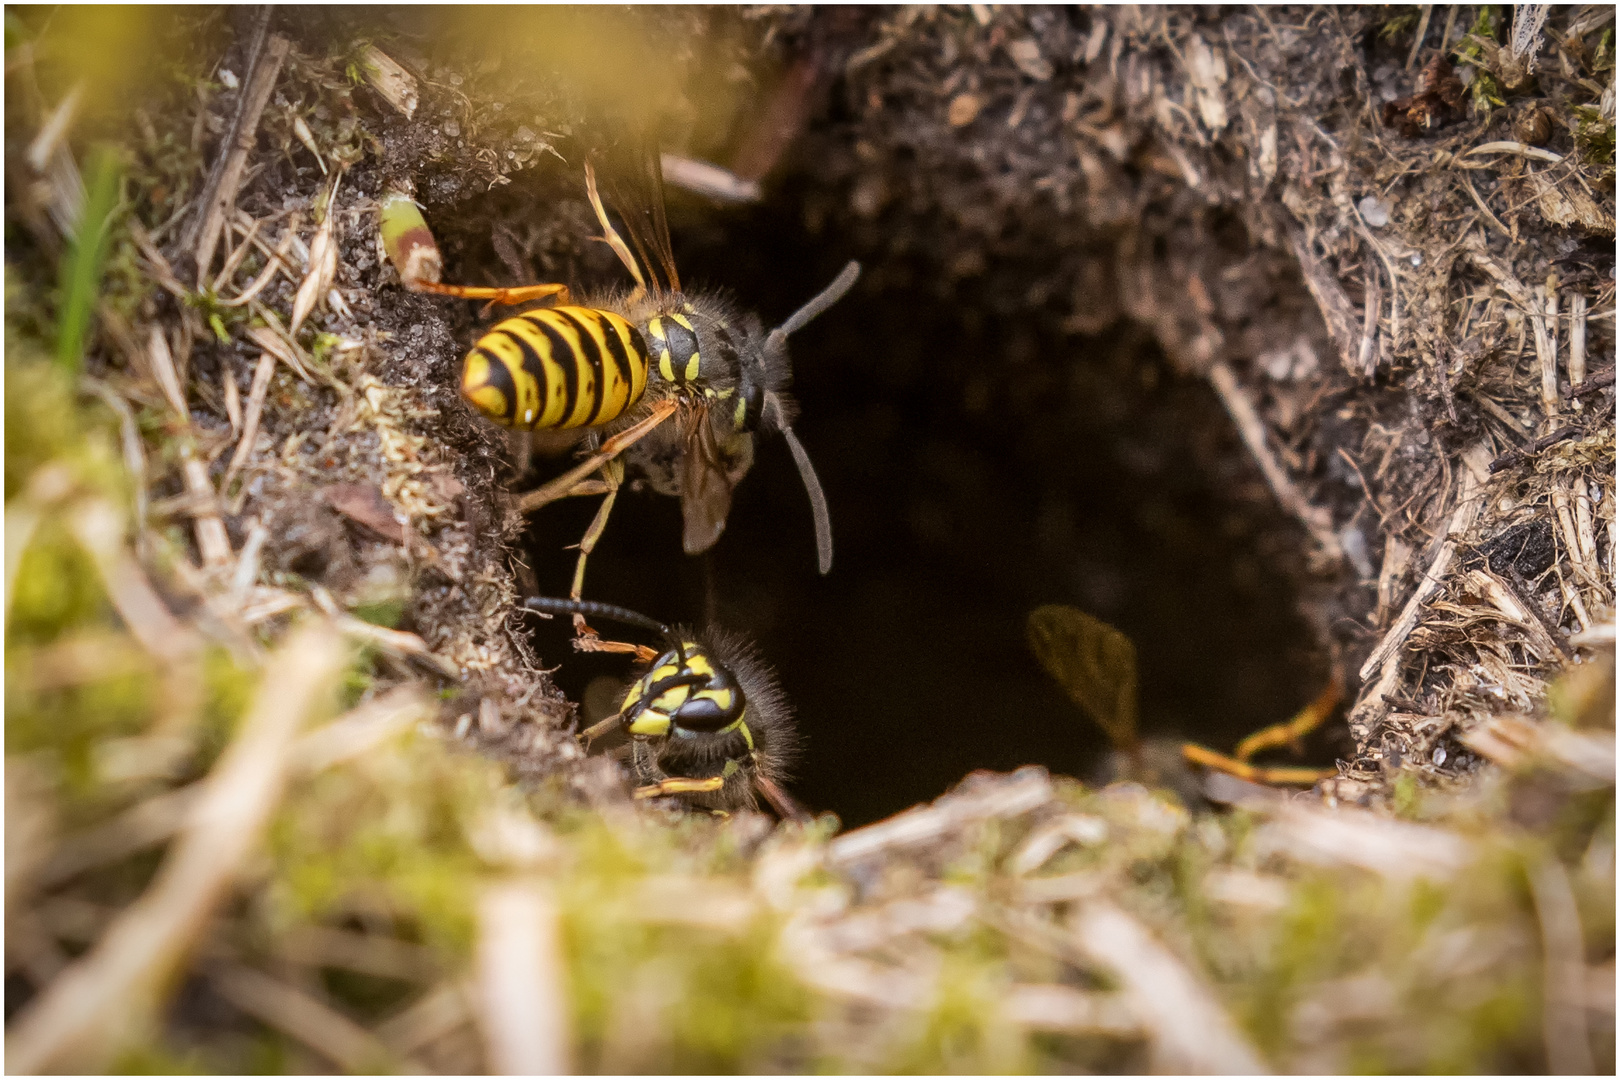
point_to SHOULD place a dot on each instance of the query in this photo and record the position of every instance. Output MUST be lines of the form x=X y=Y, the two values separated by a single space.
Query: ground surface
x=1250 y=332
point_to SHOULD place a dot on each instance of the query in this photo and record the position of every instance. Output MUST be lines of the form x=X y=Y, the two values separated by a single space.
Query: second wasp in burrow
x=677 y=384
x=705 y=723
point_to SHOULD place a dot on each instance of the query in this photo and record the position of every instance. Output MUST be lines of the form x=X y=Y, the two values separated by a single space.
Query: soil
x=1281 y=339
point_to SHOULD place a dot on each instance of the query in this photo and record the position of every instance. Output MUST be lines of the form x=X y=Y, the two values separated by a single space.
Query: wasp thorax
x=684 y=694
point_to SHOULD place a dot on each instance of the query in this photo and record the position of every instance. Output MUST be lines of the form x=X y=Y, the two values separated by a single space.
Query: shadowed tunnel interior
x=975 y=469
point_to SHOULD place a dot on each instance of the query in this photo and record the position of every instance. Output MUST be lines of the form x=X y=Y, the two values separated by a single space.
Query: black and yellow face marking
x=675 y=342
x=562 y=367
x=686 y=695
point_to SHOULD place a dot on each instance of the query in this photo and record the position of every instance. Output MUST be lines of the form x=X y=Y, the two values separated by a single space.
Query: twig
x=1318 y=520
x=522 y=997
x=110 y=997
x=274 y=261
x=1563 y=997
x=1514 y=457
x=220 y=195
x=1470 y=497
x=1593 y=383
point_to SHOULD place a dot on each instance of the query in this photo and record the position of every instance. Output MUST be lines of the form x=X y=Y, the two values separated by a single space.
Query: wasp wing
x=708 y=474
x=633 y=174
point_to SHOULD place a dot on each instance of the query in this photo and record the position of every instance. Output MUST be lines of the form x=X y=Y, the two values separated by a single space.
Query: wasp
x=705 y=722
x=678 y=384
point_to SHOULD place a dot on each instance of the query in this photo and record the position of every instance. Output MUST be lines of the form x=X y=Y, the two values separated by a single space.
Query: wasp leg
x=586 y=639
x=1255 y=774
x=785 y=805
x=599 y=730
x=565 y=484
x=679 y=785
x=1289 y=733
x=517 y=294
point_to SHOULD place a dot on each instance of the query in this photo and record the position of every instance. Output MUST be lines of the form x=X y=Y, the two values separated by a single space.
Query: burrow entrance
x=975 y=467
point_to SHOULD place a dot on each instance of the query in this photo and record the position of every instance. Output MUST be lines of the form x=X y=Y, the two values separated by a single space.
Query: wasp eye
x=750 y=405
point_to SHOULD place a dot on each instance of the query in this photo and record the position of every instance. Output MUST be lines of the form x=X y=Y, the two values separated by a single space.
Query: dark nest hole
x=976 y=467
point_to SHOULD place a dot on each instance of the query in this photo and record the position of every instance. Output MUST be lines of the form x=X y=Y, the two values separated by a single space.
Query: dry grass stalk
x=1318 y=520
x=1189 y=1031
x=369 y=954
x=151 y=822
x=1470 y=497
x=322 y=263
x=1063 y=1009
x=277 y=345
x=1506 y=600
x=213 y=542
x=1396 y=850
x=1337 y=311
x=1422 y=32
x=142 y=826
x=1368 y=356
x=391 y=81
x=100 y=529
x=1030 y=788
x=1563 y=514
x=1544 y=323
x=110 y=997
x=522 y=997
x=262 y=373
x=219 y=198
x=1577 y=339
x=294 y=1013
x=1563 y=1000
x=427 y=1020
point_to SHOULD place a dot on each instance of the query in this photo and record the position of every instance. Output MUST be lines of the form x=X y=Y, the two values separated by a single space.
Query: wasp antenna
x=818 y=500
x=823 y=300
x=556 y=605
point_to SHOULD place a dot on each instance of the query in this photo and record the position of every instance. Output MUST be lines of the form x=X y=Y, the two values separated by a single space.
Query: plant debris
x=288 y=791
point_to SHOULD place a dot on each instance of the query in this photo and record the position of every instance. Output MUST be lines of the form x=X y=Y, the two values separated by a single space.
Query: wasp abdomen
x=561 y=367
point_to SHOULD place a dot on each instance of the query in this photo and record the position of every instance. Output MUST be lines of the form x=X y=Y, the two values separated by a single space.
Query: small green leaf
x=1093 y=662
x=85 y=258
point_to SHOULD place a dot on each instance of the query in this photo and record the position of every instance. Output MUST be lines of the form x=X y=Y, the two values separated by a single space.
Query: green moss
x=57 y=588
x=1485 y=91
x=1404 y=796
x=1400 y=25
x=42 y=415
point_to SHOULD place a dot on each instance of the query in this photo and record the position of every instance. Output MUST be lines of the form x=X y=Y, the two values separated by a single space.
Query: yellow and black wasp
x=706 y=722
x=622 y=364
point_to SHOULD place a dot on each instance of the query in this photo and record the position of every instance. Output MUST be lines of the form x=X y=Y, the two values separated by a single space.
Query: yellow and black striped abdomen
x=561 y=367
